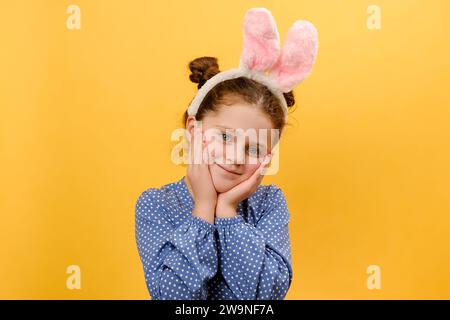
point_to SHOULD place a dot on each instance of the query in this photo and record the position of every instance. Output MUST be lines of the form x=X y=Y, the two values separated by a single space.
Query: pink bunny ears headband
x=262 y=60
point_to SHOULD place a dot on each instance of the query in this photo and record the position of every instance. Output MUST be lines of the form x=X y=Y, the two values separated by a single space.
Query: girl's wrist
x=205 y=215
x=204 y=211
x=225 y=210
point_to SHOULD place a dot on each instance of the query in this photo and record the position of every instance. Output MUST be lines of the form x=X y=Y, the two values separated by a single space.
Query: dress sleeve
x=177 y=260
x=256 y=260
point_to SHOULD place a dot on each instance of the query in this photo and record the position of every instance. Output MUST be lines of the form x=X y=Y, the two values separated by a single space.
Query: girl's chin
x=222 y=182
x=222 y=186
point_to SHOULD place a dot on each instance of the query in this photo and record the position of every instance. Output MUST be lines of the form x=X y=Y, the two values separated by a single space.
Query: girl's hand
x=205 y=194
x=227 y=202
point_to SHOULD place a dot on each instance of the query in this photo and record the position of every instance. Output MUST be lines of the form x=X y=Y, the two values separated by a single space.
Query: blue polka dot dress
x=246 y=257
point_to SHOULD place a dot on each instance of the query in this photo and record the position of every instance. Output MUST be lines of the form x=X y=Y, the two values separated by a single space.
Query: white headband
x=232 y=74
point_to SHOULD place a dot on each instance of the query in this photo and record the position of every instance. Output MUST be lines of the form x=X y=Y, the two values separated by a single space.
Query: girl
x=217 y=233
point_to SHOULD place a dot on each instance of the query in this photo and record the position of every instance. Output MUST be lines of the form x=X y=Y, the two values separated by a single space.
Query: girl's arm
x=177 y=261
x=256 y=261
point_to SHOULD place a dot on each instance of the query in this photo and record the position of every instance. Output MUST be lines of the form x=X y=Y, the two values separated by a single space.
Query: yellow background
x=86 y=117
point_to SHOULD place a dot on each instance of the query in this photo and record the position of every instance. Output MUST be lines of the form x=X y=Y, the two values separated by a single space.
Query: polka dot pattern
x=246 y=257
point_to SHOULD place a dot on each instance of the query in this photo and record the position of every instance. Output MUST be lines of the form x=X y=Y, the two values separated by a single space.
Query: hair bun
x=202 y=69
x=290 y=99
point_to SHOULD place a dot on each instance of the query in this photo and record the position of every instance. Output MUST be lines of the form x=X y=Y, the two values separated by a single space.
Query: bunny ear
x=261 y=40
x=297 y=56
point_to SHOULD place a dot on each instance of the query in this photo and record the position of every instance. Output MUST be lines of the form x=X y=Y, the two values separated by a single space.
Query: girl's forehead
x=236 y=131
x=238 y=116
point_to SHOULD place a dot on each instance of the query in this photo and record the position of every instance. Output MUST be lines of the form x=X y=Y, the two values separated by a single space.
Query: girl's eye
x=253 y=151
x=226 y=137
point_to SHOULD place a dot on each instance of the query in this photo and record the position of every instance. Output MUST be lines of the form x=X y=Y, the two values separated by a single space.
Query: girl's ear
x=297 y=56
x=190 y=125
x=261 y=46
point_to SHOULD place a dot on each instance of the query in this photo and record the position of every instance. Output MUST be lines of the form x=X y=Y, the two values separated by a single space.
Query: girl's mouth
x=228 y=171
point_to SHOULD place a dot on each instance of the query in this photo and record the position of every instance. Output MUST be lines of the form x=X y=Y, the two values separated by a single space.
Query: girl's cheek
x=215 y=150
x=250 y=169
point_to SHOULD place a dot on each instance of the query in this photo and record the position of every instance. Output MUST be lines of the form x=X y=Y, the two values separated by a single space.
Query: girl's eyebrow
x=231 y=129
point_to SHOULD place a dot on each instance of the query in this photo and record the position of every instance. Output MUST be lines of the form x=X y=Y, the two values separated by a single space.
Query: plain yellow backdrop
x=86 y=117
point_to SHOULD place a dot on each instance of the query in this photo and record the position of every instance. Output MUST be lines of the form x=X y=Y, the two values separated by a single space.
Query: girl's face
x=238 y=138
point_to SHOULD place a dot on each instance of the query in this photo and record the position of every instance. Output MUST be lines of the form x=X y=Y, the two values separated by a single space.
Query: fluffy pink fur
x=261 y=40
x=290 y=65
x=297 y=56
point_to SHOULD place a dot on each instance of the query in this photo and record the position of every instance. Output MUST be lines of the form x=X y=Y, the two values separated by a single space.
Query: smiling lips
x=234 y=173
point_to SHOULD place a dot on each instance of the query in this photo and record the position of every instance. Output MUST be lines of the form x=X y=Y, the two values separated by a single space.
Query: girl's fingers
x=190 y=149
x=210 y=151
x=207 y=154
x=251 y=184
x=259 y=174
x=213 y=155
x=205 y=157
x=197 y=146
x=256 y=178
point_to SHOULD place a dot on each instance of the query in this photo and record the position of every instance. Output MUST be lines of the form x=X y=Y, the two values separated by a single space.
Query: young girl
x=217 y=233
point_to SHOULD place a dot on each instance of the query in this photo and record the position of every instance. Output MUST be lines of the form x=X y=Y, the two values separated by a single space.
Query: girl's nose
x=236 y=157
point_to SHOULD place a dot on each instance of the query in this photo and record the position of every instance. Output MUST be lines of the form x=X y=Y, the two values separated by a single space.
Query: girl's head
x=233 y=107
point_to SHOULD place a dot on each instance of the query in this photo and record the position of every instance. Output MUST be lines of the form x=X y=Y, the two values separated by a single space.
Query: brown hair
x=232 y=90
